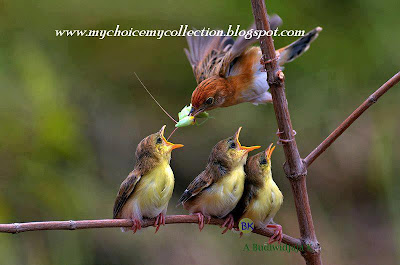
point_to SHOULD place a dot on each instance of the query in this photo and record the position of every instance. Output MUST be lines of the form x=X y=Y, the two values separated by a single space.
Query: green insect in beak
x=186 y=120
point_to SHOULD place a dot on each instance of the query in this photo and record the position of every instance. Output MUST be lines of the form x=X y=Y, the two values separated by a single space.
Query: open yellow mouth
x=268 y=152
x=173 y=146
x=248 y=149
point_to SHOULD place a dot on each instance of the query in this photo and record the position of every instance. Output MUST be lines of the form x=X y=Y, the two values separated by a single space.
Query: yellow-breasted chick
x=146 y=191
x=217 y=190
x=261 y=198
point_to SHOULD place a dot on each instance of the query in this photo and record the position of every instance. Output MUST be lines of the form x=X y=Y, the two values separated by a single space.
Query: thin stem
x=108 y=223
x=352 y=118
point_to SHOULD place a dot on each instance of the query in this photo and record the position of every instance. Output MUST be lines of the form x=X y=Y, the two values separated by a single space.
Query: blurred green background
x=72 y=113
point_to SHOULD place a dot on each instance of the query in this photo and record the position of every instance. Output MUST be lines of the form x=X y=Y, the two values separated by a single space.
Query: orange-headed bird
x=229 y=72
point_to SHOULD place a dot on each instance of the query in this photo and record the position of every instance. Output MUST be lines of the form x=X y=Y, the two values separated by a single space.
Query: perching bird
x=217 y=190
x=261 y=198
x=146 y=191
x=229 y=72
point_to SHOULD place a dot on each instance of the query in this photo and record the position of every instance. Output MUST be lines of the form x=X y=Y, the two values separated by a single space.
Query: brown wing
x=241 y=44
x=201 y=182
x=125 y=191
x=211 y=56
x=205 y=54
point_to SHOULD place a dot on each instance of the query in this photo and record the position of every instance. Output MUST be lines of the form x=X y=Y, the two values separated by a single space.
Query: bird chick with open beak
x=261 y=198
x=146 y=191
x=217 y=190
x=230 y=72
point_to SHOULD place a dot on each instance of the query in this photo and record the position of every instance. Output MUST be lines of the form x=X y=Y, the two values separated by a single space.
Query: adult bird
x=230 y=72
x=146 y=191
x=217 y=190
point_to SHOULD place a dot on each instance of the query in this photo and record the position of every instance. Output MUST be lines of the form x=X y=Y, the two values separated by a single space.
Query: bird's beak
x=171 y=145
x=193 y=112
x=245 y=148
x=268 y=152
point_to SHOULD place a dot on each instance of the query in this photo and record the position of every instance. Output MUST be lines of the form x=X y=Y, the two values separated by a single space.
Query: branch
x=352 y=118
x=108 y=223
x=294 y=167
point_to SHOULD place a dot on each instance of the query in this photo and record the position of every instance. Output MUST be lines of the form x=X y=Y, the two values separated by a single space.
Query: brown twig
x=108 y=223
x=294 y=167
x=352 y=118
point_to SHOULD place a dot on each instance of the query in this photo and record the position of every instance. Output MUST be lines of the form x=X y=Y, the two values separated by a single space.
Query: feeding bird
x=217 y=190
x=261 y=198
x=146 y=191
x=230 y=72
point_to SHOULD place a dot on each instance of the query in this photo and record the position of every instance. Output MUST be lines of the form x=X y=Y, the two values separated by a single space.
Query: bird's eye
x=232 y=145
x=159 y=140
x=263 y=162
x=209 y=101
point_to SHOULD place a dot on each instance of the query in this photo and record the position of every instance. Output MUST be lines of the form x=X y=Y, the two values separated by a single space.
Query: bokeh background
x=72 y=113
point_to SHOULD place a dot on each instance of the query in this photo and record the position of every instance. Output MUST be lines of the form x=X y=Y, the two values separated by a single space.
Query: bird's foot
x=201 y=220
x=229 y=223
x=278 y=235
x=160 y=220
x=137 y=225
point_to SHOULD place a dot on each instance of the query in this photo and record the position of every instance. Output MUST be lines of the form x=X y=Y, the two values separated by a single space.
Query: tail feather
x=297 y=48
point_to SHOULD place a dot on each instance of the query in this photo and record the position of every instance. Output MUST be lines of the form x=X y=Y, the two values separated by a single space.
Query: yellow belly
x=153 y=192
x=221 y=197
x=263 y=208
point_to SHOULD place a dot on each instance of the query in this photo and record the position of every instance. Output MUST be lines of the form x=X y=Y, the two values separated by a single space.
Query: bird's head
x=208 y=95
x=260 y=164
x=156 y=146
x=230 y=152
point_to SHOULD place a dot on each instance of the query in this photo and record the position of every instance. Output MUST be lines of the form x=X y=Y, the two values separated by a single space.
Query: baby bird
x=217 y=190
x=146 y=191
x=261 y=198
x=229 y=72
